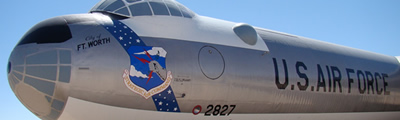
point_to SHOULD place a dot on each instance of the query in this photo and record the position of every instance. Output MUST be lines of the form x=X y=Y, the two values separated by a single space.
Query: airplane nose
x=39 y=72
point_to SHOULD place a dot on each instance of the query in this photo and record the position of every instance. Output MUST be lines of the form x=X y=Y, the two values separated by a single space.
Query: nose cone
x=39 y=69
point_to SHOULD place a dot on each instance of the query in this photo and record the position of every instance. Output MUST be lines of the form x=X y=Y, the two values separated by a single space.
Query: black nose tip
x=9 y=67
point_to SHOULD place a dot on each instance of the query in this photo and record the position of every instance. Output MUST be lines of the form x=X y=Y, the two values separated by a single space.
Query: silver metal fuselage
x=287 y=74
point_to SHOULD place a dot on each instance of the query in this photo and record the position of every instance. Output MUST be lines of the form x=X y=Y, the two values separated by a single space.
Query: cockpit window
x=173 y=9
x=104 y=4
x=115 y=5
x=140 y=9
x=185 y=11
x=159 y=8
x=123 y=11
x=132 y=1
x=131 y=8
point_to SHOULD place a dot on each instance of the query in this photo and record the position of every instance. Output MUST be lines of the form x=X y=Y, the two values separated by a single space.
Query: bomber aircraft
x=157 y=59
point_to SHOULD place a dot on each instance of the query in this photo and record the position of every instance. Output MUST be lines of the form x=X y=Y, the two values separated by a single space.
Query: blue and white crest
x=144 y=62
x=147 y=75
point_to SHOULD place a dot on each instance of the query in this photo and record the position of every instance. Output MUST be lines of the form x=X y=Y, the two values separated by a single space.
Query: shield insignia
x=147 y=75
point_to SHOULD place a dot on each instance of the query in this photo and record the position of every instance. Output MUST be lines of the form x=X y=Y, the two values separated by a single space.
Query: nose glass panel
x=35 y=81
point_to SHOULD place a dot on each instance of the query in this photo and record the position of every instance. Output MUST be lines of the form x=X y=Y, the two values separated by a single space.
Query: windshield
x=143 y=8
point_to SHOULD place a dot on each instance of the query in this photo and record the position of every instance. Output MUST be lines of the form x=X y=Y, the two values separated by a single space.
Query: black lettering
x=92 y=44
x=329 y=78
x=233 y=108
x=370 y=82
x=321 y=79
x=81 y=46
x=89 y=38
x=302 y=75
x=378 y=91
x=99 y=42
x=359 y=72
x=277 y=82
x=337 y=77
x=385 y=84
x=78 y=47
x=217 y=108
x=224 y=109
x=108 y=40
x=350 y=80
x=209 y=109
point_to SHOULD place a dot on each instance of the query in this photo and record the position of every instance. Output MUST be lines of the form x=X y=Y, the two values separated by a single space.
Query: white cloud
x=155 y=51
x=136 y=73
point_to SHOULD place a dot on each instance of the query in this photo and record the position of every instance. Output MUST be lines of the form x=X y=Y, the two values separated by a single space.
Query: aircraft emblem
x=147 y=75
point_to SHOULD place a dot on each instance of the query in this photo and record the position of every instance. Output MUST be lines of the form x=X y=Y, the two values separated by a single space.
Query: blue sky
x=372 y=25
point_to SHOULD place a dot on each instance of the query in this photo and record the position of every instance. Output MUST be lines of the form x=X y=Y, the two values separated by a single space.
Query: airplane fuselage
x=197 y=66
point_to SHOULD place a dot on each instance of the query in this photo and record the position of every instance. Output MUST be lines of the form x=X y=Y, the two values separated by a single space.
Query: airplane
x=157 y=59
